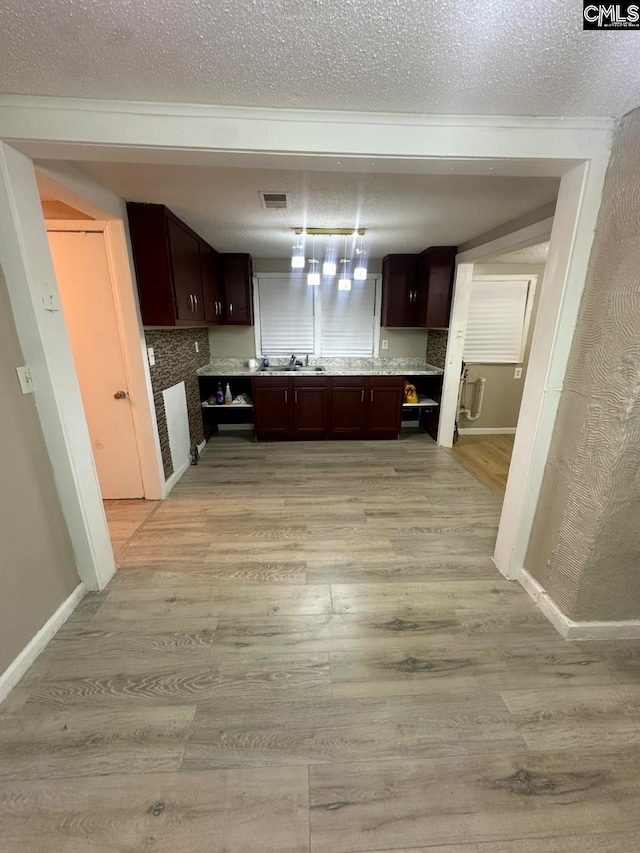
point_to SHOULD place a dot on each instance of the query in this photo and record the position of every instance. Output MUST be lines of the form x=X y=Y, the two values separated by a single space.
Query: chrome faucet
x=292 y=360
x=306 y=361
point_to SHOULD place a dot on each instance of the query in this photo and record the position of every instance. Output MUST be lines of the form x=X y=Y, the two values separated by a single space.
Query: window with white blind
x=348 y=319
x=498 y=319
x=323 y=321
x=286 y=309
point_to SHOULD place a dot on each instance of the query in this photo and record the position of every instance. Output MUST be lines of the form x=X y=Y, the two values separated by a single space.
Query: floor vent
x=274 y=201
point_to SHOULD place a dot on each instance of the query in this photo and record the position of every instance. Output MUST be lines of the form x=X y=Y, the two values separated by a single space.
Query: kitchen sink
x=288 y=369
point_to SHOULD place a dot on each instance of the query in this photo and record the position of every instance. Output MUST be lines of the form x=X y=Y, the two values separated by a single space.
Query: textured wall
x=37 y=566
x=177 y=361
x=585 y=543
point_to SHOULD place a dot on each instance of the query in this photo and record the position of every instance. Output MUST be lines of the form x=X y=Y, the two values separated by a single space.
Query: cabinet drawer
x=348 y=381
x=385 y=381
x=310 y=382
x=271 y=381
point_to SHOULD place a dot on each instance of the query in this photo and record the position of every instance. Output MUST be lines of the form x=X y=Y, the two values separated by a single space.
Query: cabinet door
x=238 y=289
x=441 y=265
x=385 y=409
x=309 y=407
x=152 y=259
x=348 y=409
x=399 y=291
x=271 y=405
x=211 y=291
x=187 y=281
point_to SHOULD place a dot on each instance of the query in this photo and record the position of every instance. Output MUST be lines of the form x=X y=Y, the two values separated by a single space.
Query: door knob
x=120 y=395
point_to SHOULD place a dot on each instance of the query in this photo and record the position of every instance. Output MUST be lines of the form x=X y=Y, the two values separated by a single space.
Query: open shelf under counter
x=423 y=403
x=232 y=406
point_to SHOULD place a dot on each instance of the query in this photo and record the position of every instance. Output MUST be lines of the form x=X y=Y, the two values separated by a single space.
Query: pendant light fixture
x=329 y=267
x=360 y=271
x=313 y=276
x=344 y=282
x=297 y=257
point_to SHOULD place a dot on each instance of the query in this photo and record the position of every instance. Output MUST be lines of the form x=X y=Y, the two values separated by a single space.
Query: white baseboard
x=624 y=629
x=17 y=668
x=487 y=430
x=173 y=479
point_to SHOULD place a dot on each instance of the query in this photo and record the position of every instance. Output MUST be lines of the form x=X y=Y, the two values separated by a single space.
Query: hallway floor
x=307 y=648
x=487 y=457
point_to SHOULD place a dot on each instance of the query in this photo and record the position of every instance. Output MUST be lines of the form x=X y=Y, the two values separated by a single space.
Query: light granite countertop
x=333 y=367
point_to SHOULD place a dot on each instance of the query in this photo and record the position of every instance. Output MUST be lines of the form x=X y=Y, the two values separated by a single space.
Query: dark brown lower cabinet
x=310 y=404
x=385 y=405
x=314 y=407
x=271 y=407
x=348 y=410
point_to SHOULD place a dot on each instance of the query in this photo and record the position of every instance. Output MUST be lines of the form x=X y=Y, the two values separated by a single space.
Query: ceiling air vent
x=274 y=201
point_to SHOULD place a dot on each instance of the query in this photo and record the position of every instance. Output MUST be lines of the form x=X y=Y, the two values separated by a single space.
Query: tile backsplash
x=437 y=347
x=177 y=361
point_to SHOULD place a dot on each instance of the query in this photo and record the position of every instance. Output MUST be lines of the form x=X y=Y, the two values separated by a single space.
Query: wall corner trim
x=624 y=629
x=17 y=668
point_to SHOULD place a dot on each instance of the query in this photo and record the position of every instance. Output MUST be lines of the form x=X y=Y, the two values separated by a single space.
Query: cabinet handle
x=362 y=397
x=191 y=301
x=286 y=395
x=296 y=396
x=231 y=308
x=372 y=395
x=196 y=299
x=219 y=308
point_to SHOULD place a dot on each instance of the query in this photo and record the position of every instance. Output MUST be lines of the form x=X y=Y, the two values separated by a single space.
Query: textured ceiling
x=403 y=213
x=537 y=254
x=496 y=58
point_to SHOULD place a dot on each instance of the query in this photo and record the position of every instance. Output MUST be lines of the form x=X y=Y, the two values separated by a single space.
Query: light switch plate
x=50 y=296
x=24 y=377
x=151 y=356
x=385 y=344
x=517 y=373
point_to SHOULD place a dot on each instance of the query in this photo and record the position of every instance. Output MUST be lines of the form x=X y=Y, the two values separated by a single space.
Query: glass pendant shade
x=297 y=258
x=344 y=284
x=360 y=271
x=329 y=267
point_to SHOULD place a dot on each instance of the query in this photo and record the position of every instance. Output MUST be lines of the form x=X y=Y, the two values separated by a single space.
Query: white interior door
x=84 y=281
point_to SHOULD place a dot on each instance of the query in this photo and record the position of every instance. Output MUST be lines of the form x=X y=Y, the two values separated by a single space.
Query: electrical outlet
x=24 y=377
x=517 y=373
x=151 y=356
x=385 y=344
x=197 y=347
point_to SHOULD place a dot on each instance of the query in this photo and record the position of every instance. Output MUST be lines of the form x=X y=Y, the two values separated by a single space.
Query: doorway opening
x=84 y=254
x=501 y=317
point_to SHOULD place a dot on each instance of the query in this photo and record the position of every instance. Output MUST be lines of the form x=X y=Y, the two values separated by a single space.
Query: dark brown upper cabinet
x=399 y=291
x=436 y=269
x=166 y=254
x=212 y=290
x=417 y=289
x=182 y=280
x=237 y=277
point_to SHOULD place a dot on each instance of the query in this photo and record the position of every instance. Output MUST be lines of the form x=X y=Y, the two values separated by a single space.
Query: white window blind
x=286 y=315
x=348 y=319
x=497 y=321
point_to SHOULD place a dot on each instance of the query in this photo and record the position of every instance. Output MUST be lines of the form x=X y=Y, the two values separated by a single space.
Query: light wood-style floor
x=125 y=518
x=487 y=457
x=307 y=648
